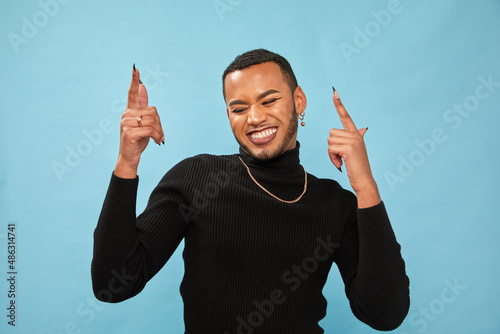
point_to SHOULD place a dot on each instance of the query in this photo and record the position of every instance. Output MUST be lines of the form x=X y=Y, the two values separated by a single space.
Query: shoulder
x=212 y=158
x=202 y=164
x=324 y=183
x=210 y=161
x=331 y=190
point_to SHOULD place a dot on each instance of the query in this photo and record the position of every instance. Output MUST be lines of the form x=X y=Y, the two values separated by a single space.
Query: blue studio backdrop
x=423 y=75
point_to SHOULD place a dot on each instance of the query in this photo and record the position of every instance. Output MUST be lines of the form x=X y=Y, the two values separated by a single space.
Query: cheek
x=235 y=123
x=285 y=110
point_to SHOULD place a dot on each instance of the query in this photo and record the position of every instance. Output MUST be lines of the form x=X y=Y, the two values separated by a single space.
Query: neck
x=285 y=164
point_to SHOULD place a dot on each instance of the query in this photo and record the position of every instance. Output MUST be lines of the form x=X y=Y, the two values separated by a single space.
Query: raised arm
x=128 y=251
x=369 y=258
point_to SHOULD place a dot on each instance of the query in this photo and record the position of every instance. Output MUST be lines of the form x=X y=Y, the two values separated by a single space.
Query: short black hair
x=259 y=56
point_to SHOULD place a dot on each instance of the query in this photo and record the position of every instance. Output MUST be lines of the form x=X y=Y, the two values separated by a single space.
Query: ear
x=300 y=100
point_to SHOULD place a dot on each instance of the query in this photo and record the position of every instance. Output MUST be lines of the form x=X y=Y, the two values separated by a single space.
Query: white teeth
x=263 y=134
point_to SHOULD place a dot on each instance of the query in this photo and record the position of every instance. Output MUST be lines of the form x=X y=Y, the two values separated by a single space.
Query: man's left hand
x=347 y=146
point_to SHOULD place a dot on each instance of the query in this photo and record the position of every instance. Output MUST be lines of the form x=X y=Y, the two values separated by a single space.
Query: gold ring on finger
x=139 y=120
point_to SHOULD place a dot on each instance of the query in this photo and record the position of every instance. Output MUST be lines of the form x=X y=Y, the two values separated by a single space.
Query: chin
x=263 y=154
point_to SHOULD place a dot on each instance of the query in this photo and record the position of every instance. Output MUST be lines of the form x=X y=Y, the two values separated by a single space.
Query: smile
x=263 y=134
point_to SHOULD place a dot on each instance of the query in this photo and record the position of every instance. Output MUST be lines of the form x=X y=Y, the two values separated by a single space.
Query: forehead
x=259 y=77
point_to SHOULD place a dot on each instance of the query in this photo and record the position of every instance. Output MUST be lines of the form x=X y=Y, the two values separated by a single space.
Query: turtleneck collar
x=288 y=161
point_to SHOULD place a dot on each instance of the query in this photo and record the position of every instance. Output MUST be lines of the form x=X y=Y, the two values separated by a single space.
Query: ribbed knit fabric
x=253 y=264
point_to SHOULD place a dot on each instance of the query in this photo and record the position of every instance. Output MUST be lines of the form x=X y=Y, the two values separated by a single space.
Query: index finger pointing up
x=133 y=92
x=344 y=116
x=143 y=95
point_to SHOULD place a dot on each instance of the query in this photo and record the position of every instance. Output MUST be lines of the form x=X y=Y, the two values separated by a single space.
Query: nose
x=256 y=116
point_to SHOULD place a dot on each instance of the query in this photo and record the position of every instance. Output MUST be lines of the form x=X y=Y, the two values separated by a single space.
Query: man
x=260 y=233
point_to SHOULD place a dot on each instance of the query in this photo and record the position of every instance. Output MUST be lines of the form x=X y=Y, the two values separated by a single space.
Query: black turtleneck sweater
x=253 y=264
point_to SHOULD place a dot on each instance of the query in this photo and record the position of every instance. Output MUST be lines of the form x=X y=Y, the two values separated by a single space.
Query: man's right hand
x=139 y=123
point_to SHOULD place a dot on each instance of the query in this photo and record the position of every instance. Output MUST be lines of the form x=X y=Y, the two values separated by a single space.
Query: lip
x=262 y=141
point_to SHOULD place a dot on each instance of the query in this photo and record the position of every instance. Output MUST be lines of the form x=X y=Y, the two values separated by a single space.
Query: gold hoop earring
x=301 y=116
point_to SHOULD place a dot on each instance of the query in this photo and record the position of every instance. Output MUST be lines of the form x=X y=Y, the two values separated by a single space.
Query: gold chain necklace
x=267 y=191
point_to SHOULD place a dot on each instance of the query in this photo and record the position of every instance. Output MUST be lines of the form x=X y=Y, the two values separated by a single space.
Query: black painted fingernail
x=333 y=89
x=133 y=67
x=340 y=169
x=163 y=142
x=366 y=128
x=140 y=82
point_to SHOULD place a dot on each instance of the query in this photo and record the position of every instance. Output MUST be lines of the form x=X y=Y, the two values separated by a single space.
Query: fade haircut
x=256 y=57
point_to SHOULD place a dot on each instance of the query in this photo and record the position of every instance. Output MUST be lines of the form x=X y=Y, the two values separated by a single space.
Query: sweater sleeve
x=373 y=271
x=129 y=251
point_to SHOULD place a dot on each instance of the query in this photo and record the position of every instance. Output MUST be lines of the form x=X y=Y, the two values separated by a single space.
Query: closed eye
x=271 y=101
x=238 y=110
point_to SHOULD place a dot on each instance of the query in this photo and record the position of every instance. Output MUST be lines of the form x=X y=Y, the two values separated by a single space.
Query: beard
x=291 y=131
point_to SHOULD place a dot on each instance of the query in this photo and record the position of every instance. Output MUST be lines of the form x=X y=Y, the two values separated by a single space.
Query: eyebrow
x=261 y=96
